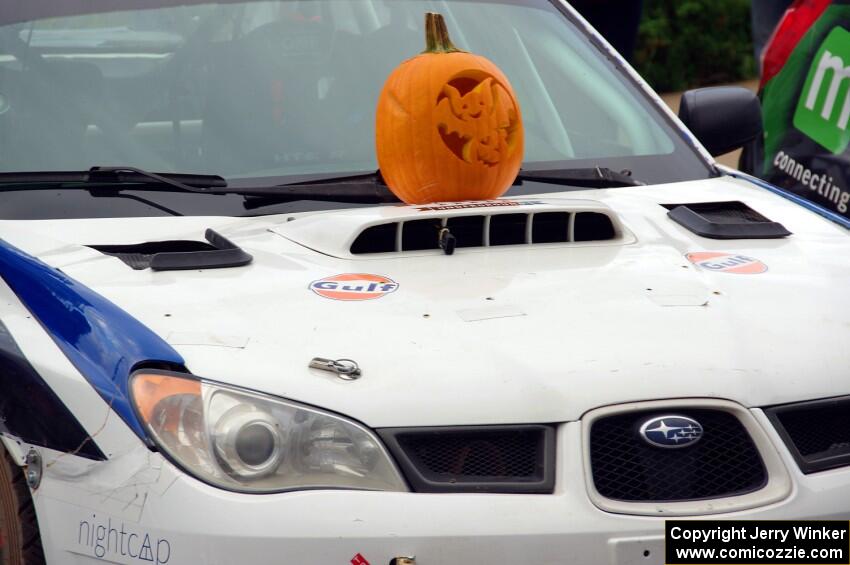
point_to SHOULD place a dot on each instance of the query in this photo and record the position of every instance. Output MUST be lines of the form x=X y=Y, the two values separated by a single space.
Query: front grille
x=516 y=459
x=817 y=433
x=724 y=462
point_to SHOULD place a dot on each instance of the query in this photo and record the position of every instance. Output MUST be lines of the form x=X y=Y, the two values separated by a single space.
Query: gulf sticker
x=354 y=286
x=727 y=262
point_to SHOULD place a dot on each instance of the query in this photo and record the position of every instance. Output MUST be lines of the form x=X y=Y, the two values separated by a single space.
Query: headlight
x=246 y=441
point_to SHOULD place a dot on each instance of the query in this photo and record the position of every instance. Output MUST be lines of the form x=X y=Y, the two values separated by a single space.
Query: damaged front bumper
x=138 y=508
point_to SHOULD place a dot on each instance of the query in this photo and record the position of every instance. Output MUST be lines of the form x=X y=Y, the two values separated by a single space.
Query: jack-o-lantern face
x=448 y=126
x=477 y=119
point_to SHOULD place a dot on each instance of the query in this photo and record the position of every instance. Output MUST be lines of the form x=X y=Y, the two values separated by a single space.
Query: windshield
x=282 y=88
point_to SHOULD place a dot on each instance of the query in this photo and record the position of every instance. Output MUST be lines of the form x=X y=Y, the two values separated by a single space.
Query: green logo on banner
x=823 y=111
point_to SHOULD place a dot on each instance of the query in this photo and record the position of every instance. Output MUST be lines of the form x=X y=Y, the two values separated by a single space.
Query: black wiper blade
x=354 y=193
x=117 y=176
x=188 y=183
x=591 y=177
x=102 y=181
x=367 y=188
x=345 y=178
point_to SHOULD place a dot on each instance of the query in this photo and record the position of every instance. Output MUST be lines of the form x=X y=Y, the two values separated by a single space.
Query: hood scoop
x=725 y=220
x=443 y=227
x=484 y=231
x=179 y=255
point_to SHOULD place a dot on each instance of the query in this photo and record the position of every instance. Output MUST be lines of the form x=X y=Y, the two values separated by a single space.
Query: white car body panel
x=516 y=334
x=611 y=315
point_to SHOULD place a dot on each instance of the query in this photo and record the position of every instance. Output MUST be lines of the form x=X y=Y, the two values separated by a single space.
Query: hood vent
x=491 y=230
x=179 y=255
x=725 y=220
x=442 y=227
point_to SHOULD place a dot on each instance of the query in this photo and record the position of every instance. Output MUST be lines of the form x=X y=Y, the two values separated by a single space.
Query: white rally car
x=257 y=356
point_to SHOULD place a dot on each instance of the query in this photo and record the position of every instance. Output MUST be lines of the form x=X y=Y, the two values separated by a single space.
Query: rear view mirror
x=723 y=118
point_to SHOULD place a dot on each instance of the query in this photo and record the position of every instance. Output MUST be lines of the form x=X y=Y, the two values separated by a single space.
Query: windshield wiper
x=116 y=176
x=591 y=177
x=368 y=188
x=188 y=183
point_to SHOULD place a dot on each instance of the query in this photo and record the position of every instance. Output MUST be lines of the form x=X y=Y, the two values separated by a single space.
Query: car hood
x=513 y=334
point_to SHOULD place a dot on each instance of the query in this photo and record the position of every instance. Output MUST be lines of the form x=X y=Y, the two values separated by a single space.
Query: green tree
x=689 y=43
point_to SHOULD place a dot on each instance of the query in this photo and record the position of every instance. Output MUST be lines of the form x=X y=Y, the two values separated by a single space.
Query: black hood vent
x=725 y=220
x=487 y=231
x=179 y=255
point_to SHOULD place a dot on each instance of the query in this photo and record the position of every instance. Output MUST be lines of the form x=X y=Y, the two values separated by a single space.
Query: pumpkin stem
x=437 y=35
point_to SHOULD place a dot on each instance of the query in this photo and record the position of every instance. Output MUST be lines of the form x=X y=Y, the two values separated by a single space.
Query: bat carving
x=478 y=125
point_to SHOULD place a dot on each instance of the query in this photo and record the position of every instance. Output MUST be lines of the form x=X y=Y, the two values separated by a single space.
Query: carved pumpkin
x=448 y=125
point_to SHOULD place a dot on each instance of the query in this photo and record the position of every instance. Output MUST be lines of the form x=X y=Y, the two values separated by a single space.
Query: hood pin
x=346 y=369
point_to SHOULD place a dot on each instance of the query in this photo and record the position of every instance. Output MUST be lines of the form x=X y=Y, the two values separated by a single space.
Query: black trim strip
x=31 y=411
x=818 y=461
x=422 y=481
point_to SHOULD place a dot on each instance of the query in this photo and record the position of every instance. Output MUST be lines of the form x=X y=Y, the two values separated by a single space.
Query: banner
x=806 y=112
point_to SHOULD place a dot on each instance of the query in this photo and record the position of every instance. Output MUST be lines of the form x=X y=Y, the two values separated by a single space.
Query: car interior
x=269 y=88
